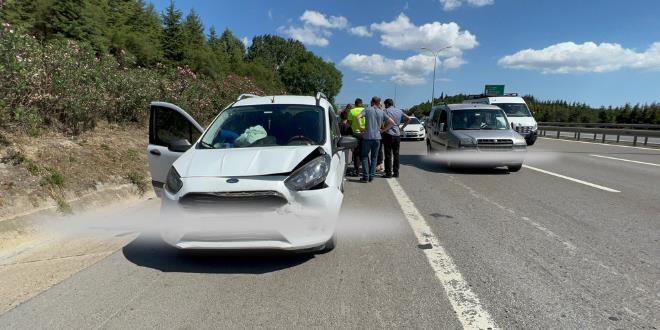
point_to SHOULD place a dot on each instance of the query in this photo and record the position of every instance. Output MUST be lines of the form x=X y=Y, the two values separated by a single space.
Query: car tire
x=530 y=141
x=514 y=168
x=330 y=244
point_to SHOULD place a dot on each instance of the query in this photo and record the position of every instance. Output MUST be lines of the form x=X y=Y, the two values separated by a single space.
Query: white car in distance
x=267 y=173
x=414 y=130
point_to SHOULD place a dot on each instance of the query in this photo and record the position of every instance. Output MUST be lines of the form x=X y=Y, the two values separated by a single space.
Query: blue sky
x=596 y=51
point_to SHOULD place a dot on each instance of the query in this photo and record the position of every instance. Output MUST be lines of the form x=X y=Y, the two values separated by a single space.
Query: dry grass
x=56 y=167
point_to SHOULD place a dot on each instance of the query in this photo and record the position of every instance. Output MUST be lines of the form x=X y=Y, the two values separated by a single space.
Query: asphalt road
x=538 y=248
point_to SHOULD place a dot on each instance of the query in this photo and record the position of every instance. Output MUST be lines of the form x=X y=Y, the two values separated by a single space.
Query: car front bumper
x=234 y=220
x=413 y=135
x=486 y=158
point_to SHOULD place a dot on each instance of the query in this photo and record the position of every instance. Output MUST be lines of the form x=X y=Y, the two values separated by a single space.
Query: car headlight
x=309 y=175
x=466 y=143
x=421 y=129
x=173 y=182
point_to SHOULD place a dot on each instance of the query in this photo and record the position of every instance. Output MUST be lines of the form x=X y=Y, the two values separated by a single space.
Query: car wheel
x=330 y=244
x=530 y=141
x=515 y=168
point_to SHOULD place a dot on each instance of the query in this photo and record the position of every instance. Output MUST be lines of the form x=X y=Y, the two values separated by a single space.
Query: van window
x=514 y=109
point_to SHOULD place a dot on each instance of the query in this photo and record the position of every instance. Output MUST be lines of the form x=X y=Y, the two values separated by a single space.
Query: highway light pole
x=435 y=64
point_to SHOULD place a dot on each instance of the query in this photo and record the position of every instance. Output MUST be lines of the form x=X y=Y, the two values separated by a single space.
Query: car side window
x=435 y=115
x=443 y=117
x=334 y=125
x=170 y=126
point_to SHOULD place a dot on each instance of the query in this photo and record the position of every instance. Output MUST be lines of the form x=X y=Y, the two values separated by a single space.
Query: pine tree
x=173 y=38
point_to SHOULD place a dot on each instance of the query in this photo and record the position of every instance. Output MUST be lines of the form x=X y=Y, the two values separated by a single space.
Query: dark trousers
x=357 y=156
x=380 y=153
x=391 y=145
x=370 y=149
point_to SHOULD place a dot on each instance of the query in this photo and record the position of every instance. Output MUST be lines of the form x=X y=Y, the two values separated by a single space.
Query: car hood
x=241 y=161
x=488 y=134
x=413 y=127
x=522 y=121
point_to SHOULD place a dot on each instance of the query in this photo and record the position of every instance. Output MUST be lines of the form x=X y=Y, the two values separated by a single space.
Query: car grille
x=495 y=144
x=253 y=201
x=524 y=129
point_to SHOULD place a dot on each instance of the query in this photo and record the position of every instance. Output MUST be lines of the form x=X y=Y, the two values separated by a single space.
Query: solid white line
x=465 y=303
x=571 y=179
x=602 y=144
x=626 y=160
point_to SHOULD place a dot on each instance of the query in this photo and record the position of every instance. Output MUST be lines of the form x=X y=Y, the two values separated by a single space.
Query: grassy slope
x=54 y=168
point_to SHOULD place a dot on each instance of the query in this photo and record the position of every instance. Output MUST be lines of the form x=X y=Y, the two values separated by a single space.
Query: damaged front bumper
x=253 y=213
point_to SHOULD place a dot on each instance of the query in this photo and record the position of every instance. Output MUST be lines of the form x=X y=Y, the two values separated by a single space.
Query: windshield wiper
x=206 y=145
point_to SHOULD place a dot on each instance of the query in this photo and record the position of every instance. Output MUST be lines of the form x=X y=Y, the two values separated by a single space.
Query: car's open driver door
x=171 y=133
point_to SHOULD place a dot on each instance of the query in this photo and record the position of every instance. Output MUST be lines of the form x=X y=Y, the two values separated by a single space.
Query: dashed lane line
x=626 y=160
x=465 y=303
x=572 y=179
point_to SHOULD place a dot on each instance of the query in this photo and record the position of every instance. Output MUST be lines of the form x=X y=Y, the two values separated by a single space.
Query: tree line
x=132 y=41
x=563 y=111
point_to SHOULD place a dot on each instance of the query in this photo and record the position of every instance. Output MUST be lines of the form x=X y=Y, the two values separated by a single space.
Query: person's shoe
x=365 y=180
x=396 y=175
x=387 y=176
x=371 y=179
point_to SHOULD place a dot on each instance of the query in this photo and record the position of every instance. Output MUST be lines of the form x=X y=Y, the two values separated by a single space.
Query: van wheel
x=515 y=168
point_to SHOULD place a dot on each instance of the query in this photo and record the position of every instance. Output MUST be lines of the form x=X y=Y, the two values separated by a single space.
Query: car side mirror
x=347 y=142
x=441 y=127
x=181 y=145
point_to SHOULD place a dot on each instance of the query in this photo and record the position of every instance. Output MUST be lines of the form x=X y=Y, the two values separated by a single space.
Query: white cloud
x=270 y=14
x=569 y=57
x=360 y=31
x=448 y=5
x=409 y=71
x=316 y=28
x=364 y=79
x=402 y=34
x=314 y=18
x=306 y=35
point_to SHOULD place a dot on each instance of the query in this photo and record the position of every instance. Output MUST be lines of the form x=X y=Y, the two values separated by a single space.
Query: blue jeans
x=369 y=146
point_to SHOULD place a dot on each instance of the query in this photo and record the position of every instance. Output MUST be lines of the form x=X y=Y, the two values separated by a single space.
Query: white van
x=521 y=119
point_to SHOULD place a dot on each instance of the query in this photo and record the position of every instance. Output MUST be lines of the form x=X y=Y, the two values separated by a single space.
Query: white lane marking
x=568 y=245
x=572 y=179
x=625 y=160
x=602 y=144
x=465 y=302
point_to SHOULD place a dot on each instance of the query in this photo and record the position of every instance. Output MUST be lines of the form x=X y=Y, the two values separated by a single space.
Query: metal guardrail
x=651 y=132
x=601 y=125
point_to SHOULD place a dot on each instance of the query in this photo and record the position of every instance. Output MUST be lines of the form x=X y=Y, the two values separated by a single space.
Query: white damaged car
x=267 y=173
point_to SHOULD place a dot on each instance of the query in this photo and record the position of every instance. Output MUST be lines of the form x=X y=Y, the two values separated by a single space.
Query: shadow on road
x=147 y=251
x=425 y=163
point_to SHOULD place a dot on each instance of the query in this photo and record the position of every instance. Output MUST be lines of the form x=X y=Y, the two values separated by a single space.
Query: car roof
x=282 y=99
x=469 y=106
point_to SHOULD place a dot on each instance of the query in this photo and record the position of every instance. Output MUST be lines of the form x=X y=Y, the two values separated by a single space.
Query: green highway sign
x=494 y=90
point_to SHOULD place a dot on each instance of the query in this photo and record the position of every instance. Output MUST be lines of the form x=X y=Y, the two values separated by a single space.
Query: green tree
x=232 y=47
x=173 y=37
x=135 y=28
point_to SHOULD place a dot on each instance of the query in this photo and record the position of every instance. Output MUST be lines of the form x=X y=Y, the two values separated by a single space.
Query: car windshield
x=478 y=119
x=266 y=125
x=414 y=120
x=514 y=109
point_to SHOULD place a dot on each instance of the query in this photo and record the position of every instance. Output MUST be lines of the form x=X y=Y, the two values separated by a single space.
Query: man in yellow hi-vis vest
x=357 y=128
